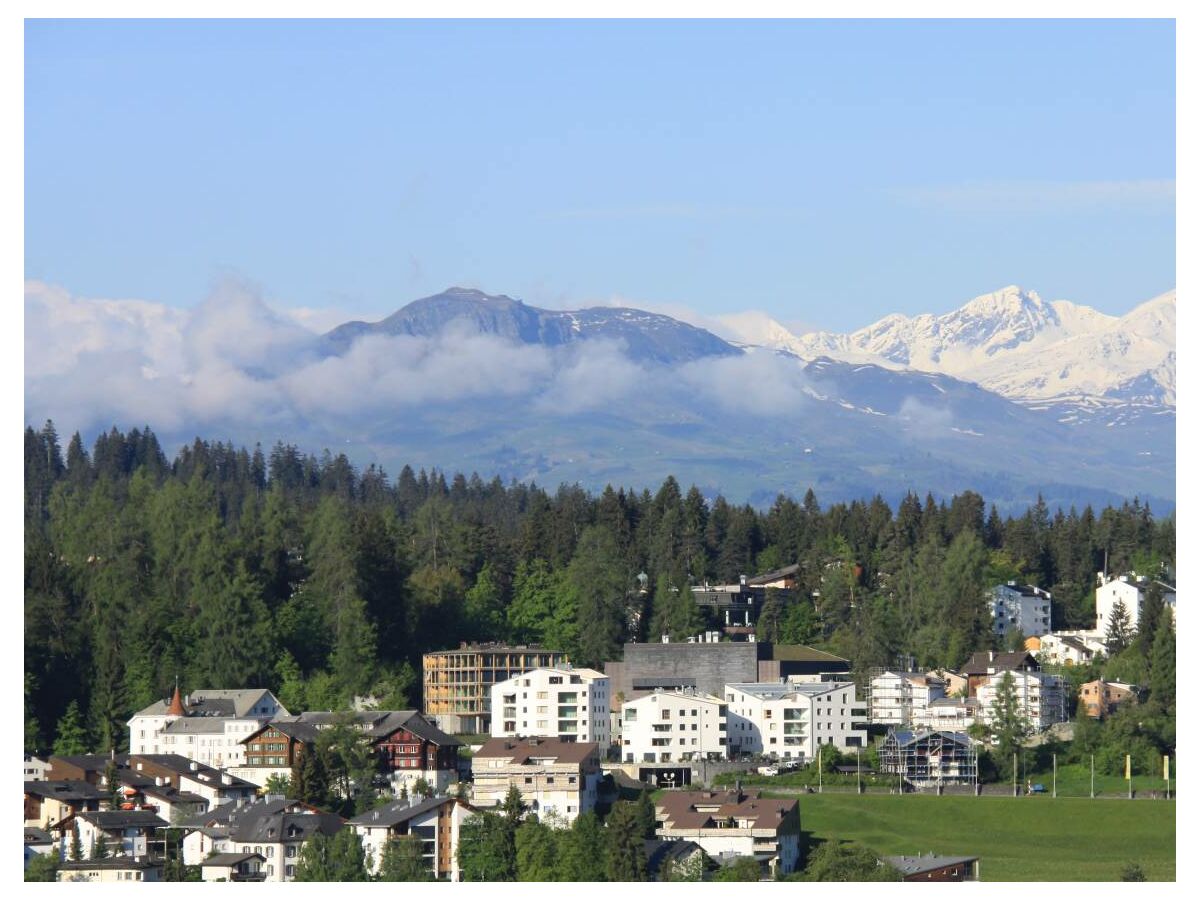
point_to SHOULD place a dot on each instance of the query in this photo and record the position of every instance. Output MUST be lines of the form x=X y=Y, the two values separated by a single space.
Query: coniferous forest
x=228 y=567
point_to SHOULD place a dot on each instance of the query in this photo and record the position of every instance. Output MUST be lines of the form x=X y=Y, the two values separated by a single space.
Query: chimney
x=194 y=766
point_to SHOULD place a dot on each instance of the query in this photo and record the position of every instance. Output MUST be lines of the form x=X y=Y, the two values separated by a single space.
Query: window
x=290 y=870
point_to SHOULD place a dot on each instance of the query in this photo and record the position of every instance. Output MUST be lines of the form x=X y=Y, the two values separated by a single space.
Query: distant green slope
x=1015 y=838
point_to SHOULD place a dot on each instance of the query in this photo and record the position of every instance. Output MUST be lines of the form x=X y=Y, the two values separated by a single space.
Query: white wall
x=669 y=727
x=530 y=704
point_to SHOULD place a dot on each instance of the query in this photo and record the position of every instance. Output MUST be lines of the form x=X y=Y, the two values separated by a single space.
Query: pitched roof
x=91 y=762
x=983 y=661
x=226 y=812
x=110 y=862
x=773 y=575
x=801 y=653
x=284 y=827
x=38 y=836
x=399 y=811
x=913 y=865
x=521 y=751
x=238 y=703
x=375 y=724
x=908 y=737
x=108 y=819
x=196 y=771
x=692 y=810
x=65 y=790
x=229 y=859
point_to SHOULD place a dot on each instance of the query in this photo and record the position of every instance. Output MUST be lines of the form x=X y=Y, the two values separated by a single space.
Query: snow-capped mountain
x=1014 y=343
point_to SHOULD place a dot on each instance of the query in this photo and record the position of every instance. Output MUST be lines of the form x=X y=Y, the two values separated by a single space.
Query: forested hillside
x=228 y=568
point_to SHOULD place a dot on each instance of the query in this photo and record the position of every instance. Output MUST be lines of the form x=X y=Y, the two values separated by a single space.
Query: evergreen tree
x=513 y=806
x=836 y=861
x=1120 y=631
x=1008 y=725
x=1162 y=666
x=71 y=739
x=583 y=851
x=744 y=868
x=76 y=851
x=402 y=860
x=337 y=858
x=100 y=846
x=537 y=852
x=626 y=850
x=43 y=867
x=647 y=818
x=598 y=579
x=486 y=848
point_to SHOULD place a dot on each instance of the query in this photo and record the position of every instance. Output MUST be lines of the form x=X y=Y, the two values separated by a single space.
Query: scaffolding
x=929 y=759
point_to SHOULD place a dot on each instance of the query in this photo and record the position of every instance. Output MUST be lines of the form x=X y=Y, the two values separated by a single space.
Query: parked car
x=768 y=770
x=1037 y=789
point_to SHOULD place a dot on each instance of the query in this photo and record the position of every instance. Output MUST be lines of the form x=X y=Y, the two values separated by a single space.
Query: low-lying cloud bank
x=232 y=364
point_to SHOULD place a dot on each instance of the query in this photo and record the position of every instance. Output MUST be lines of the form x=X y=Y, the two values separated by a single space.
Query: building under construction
x=929 y=759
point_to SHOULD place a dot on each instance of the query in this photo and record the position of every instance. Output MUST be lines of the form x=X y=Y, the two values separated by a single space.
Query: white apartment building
x=205 y=726
x=897 y=697
x=1020 y=607
x=791 y=720
x=567 y=703
x=671 y=726
x=436 y=822
x=1130 y=590
x=557 y=779
x=1041 y=696
x=946 y=714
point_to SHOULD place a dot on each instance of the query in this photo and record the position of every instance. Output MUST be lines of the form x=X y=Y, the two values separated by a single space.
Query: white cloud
x=232 y=364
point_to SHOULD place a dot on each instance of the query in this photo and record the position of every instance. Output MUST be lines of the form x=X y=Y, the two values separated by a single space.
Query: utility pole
x=858 y=754
x=1054 y=782
x=1015 y=794
x=820 y=773
x=1093 y=776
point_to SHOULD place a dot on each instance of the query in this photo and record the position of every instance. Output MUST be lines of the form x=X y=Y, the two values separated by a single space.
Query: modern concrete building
x=458 y=683
x=947 y=714
x=1019 y=607
x=572 y=704
x=708 y=666
x=673 y=726
x=791 y=720
x=557 y=779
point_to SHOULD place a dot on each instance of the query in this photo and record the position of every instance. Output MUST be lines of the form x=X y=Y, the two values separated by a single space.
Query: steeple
x=176 y=707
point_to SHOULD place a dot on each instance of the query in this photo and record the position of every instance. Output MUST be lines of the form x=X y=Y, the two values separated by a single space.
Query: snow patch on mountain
x=1012 y=342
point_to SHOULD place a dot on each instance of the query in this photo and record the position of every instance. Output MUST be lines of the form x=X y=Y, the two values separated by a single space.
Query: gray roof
x=398 y=811
x=774 y=690
x=284 y=827
x=65 y=790
x=38 y=836
x=912 y=865
x=230 y=859
x=196 y=726
x=183 y=767
x=237 y=703
x=908 y=737
x=108 y=819
x=377 y=723
x=111 y=862
x=223 y=814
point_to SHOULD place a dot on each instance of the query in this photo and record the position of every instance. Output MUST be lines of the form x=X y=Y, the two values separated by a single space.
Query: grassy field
x=1015 y=838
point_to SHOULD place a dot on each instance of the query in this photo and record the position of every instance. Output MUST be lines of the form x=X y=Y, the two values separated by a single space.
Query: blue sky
x=825 y=172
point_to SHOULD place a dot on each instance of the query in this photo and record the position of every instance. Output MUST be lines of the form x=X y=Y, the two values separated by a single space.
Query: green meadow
x=1033 y=838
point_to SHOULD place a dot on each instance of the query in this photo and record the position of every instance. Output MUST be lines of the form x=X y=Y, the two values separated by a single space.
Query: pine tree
x=486 y=848
x=71 y=737
x=1162 y=666
x=647 y=817
x=513 y=806
x=402 y=860
x=1120 y=631
x=100 y=846
x=1008 y=722
x=537 y=852
x=583 y=850
x=76 y=852
x=626 y=849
